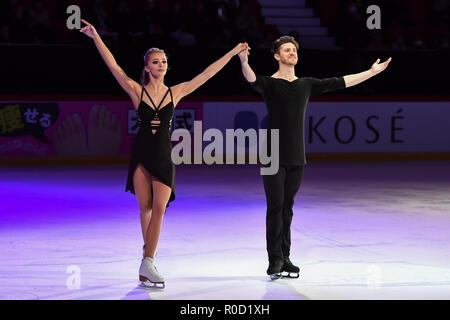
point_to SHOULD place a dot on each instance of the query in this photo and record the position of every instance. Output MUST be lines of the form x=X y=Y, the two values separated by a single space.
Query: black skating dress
x=153 y=150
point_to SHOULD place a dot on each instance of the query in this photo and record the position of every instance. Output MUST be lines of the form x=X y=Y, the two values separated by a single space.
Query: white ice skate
x=149 y=276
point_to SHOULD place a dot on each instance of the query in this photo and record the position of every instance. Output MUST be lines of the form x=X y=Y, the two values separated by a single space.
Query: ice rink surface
x=360 y=231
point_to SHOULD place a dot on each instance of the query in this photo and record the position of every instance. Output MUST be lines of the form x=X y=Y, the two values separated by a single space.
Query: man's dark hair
x=282 y=40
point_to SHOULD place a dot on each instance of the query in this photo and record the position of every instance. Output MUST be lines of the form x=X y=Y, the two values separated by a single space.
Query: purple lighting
x=360 y=231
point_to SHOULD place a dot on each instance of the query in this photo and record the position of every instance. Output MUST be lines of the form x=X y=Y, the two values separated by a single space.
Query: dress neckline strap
x=159 y=105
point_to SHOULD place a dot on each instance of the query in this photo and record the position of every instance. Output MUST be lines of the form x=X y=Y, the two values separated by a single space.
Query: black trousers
x=280 y=190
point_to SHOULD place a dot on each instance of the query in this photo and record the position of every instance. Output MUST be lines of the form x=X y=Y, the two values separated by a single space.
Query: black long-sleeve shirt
x=286 y=103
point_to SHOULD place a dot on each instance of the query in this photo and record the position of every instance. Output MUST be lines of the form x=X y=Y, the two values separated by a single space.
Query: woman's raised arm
x=128 y=84
x=183 y=89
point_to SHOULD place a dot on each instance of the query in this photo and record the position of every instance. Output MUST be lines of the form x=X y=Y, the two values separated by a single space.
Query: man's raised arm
x=246 y=70
x=354 y=79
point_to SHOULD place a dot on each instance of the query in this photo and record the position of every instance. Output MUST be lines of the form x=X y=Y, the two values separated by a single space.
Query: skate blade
x=275 y=276
x=290 y=275
x=145 y=283
x=152 y=285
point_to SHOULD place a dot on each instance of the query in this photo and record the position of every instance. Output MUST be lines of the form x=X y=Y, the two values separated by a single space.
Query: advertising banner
x=350 y=126
x=69 y=128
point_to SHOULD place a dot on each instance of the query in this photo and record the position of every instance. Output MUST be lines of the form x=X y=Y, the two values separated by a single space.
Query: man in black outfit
x=286 y=98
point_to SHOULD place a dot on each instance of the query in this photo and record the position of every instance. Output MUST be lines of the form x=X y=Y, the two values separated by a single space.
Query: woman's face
x=157 y=64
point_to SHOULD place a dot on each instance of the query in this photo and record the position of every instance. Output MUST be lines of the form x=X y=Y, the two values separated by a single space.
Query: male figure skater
x=286 y=97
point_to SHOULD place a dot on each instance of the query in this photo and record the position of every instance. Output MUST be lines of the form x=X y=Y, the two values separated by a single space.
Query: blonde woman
x=151 y=175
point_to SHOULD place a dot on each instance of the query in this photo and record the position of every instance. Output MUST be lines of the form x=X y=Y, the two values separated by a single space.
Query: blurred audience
x=212 y=23
x=413 y=24
x=405 y=25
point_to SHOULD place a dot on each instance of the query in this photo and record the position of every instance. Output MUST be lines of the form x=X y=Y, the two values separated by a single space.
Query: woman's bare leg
x=142 y=180
x=161 y=195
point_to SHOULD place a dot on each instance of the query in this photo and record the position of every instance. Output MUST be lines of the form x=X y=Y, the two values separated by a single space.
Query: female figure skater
x=151 y=175
x=286 y=97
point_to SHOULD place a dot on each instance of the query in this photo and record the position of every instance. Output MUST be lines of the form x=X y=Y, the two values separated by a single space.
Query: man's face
x=288 y=54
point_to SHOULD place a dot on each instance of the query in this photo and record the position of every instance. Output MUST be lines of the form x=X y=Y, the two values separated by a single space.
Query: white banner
x=350 y=126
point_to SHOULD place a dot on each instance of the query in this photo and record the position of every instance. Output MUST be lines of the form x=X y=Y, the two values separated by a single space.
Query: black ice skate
x=289 y=270
x=275 y=268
